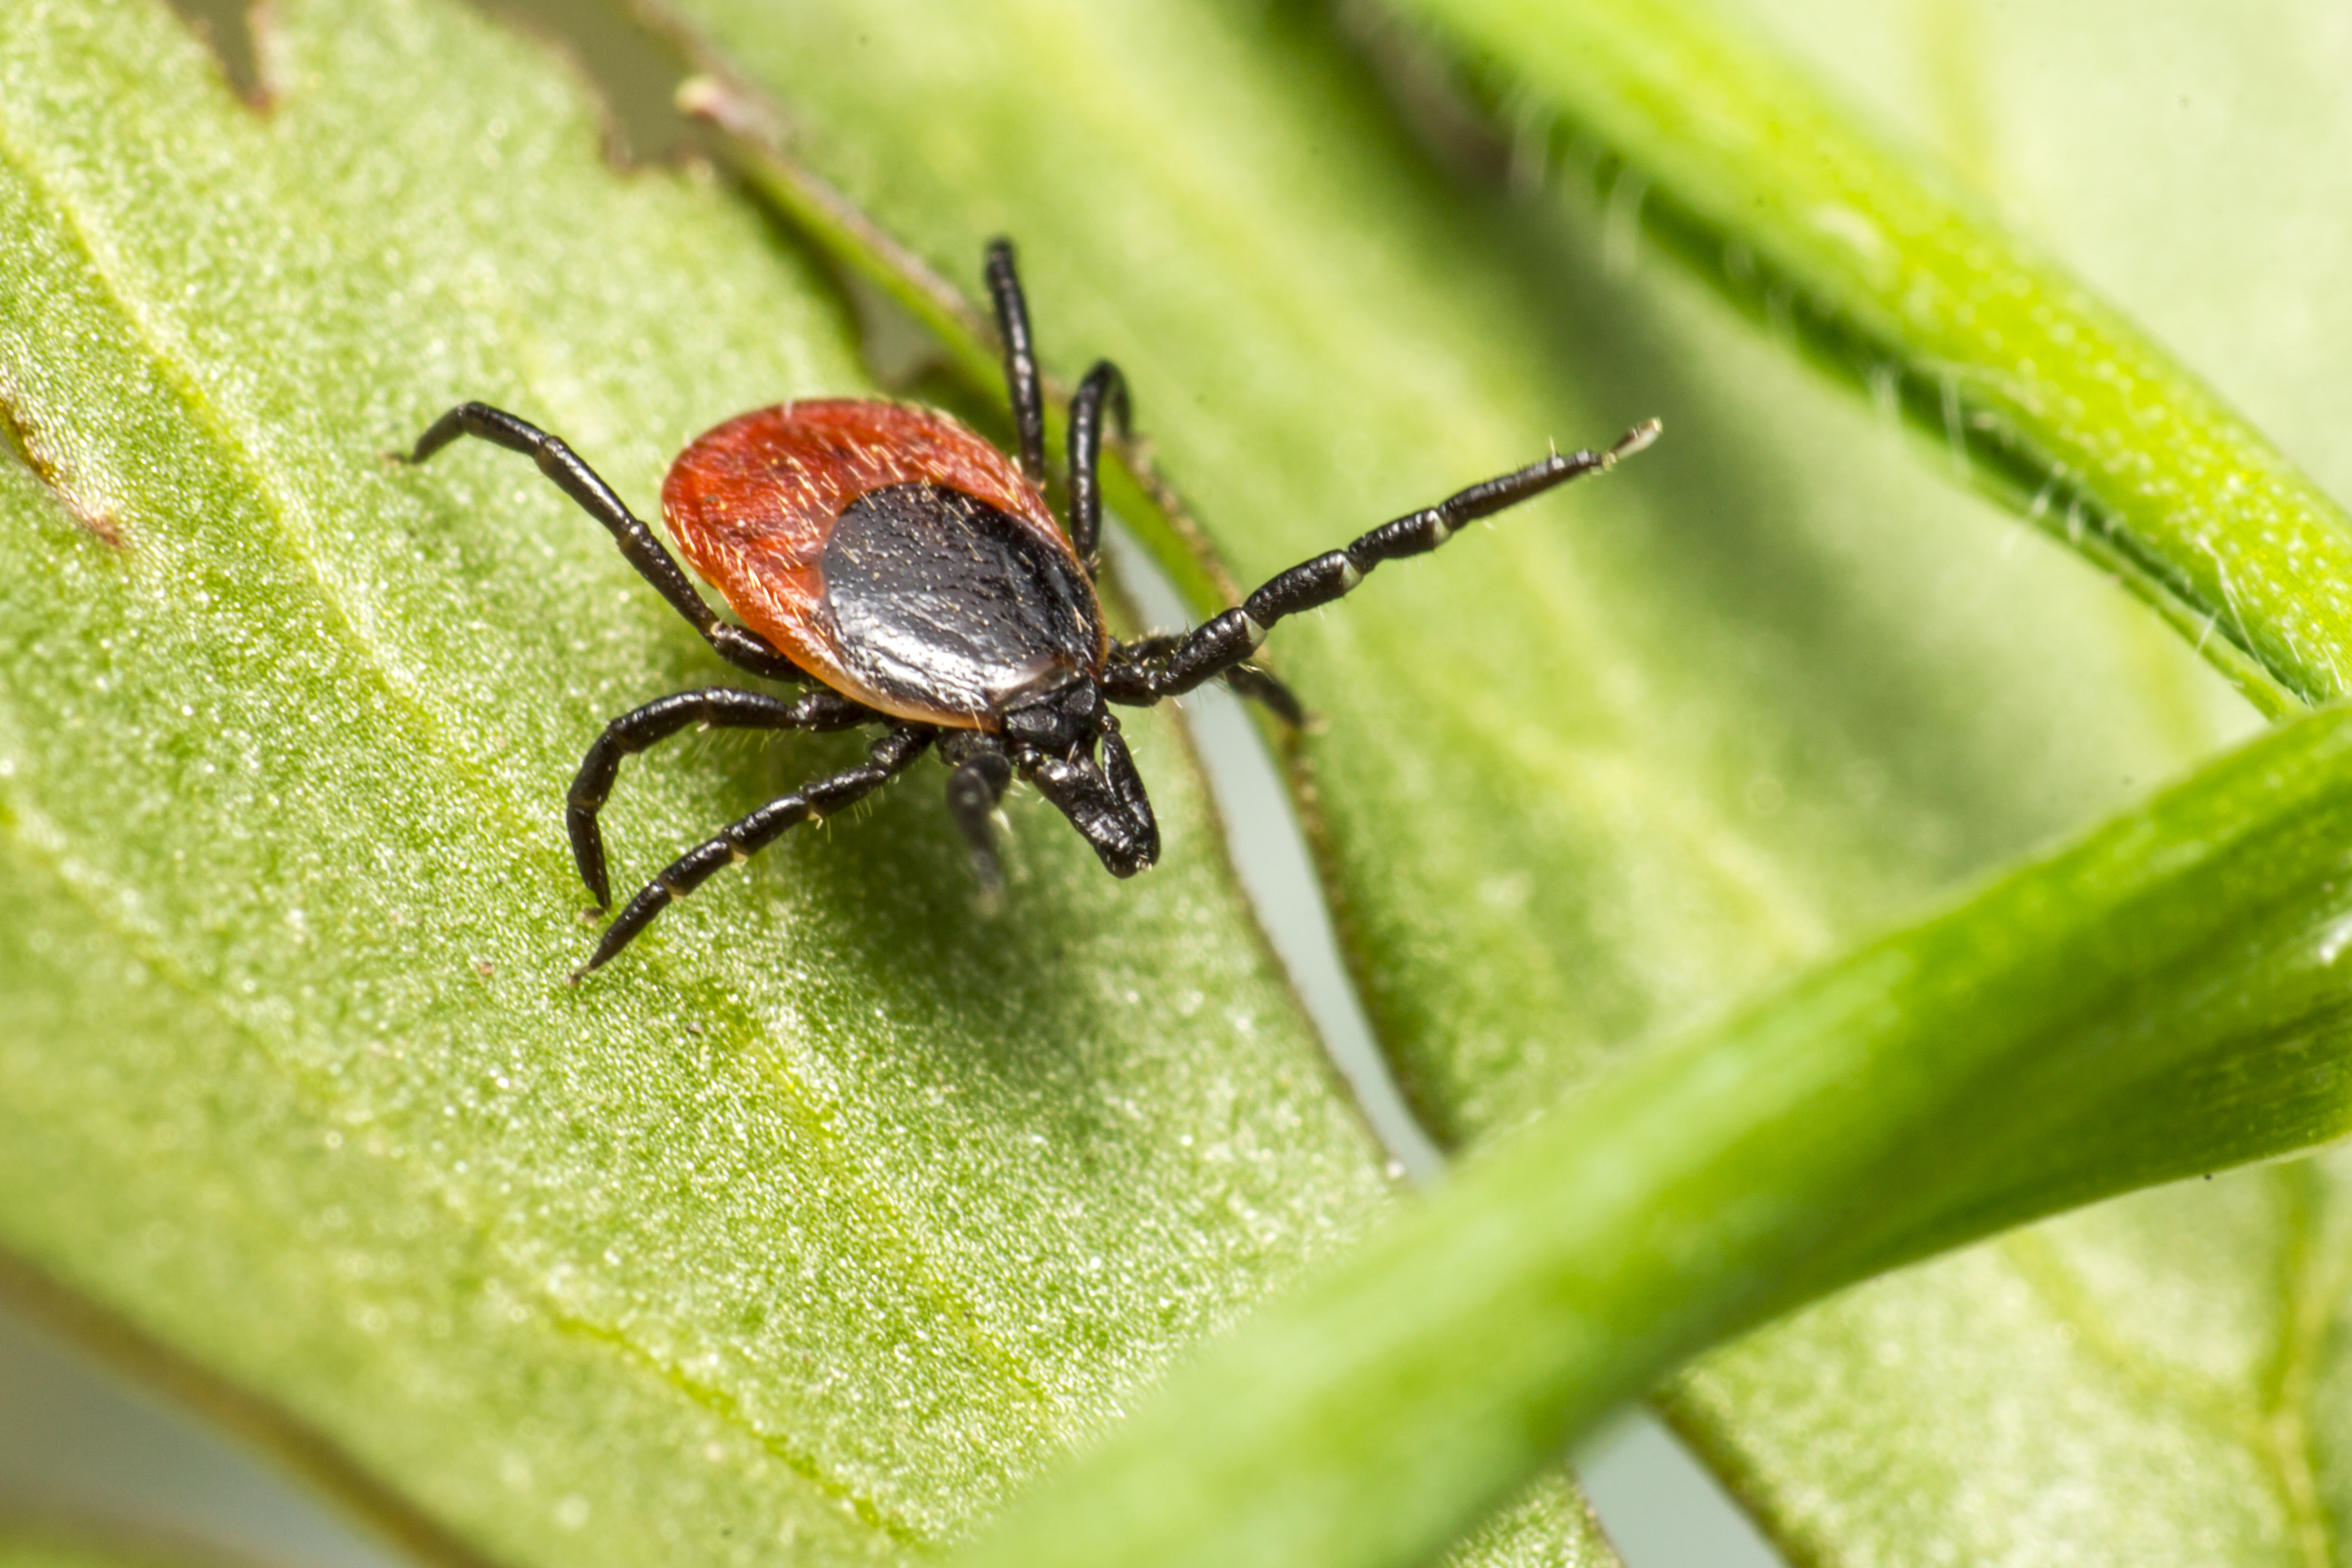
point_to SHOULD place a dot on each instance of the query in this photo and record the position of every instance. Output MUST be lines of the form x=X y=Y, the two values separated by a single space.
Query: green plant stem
x=2158 y=1000
x=752 y=145
x=1891 y=276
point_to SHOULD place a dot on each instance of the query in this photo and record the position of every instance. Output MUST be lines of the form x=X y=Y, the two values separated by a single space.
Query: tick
x=916 y=575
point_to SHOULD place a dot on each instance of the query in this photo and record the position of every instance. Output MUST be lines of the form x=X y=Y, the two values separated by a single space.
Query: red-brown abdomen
x=753 y=504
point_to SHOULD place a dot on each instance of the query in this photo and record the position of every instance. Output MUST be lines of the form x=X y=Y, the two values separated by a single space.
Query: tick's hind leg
x=982 y=772
x=718 y=706
x=1134 y=669
x=1263 y=688
x=888 y=757
x=737 y=646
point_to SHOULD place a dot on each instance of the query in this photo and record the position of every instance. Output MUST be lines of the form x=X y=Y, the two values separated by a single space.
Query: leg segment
x=1020 y=358
x=1225 y=640
x=744 y=648
x=1131 y=673
x=982 y=772
x=660 y=719
x=741 y=840
x=1260 y=686
x=1104 y=386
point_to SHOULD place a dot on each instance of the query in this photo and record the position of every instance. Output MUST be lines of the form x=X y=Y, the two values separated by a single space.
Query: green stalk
x=2158 y=1000
x=747 y=137
x=1890 y=274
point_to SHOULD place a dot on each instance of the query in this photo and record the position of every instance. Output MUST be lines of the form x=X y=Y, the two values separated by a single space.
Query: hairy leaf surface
x=802 y=1233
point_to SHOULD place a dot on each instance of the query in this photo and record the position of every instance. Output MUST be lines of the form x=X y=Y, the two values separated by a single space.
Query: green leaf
x=2158 y=999
x=2155 y=1381
x=43 y=1550
x=810 y=1229
x=2143 y=1384
x=2102 y=437
x=1894 y=689
x=1630 y=750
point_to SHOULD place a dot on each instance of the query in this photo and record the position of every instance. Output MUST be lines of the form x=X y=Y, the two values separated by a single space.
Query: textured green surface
x=1630 y=750
x=829 y=1219
x=2160 y=1380
x=2150 y=1383
x=2155 y=1381
x=1904 y=688
x=2109 y=442
x=816 y=1222
x=2157 y=1000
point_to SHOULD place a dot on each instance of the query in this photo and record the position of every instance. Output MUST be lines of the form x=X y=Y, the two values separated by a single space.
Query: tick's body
x=918 y=575
x=891 y=554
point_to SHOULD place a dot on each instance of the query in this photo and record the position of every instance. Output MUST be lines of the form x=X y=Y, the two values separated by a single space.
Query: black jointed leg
x=1130 y=680
x=1225 y=640
x=1141 y=654
x=1263 y=688
x=1021 y=379
x=888 y=757
x=1103 y=388
x=721 y=706
x=744 y=648
x=983 y=773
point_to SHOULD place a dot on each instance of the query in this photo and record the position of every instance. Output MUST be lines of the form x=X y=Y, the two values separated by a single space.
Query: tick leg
x=1263 y=688
x=741 y=840
x=981 y=774
x=1103 y=388
x=742 y=647
x=657 y=721
x=1020 y=358
x=1225 y=640
x=1131 y=675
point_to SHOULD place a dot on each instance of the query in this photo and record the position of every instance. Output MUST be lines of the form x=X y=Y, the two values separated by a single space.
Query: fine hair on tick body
x=910 y=576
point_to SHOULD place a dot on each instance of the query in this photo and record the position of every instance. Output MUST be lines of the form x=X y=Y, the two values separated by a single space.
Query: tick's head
x=1061 y=723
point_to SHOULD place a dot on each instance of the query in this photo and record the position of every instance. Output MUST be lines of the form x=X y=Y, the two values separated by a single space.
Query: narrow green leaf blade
x=814 y=1226
x=2154 y=1381
x=2094 y=431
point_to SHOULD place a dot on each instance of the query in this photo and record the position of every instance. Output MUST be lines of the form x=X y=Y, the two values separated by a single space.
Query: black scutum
x=941 y=599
